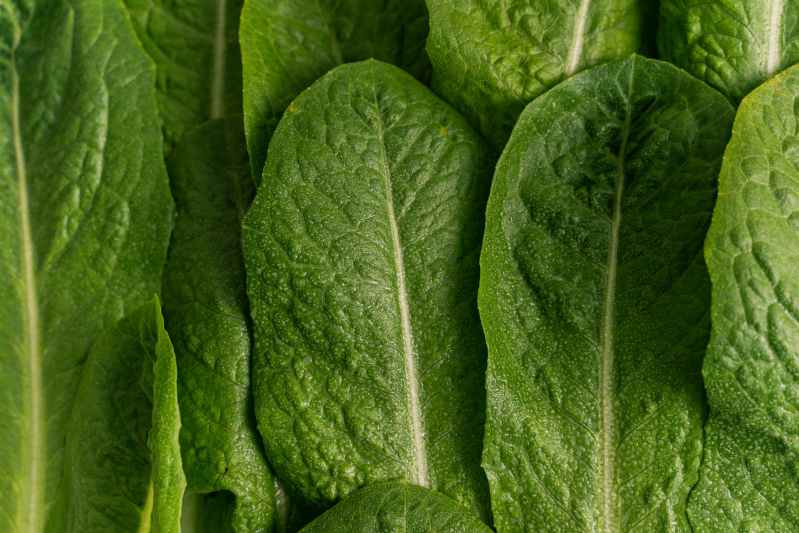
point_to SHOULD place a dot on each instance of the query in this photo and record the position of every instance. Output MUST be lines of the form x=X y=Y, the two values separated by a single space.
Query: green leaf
x=122 y=447
x=734 y=45
x=390 y=507
x=594 y=299
x=287 y=44
x=194 y=44
x=750 y=475
x=206 y=309
x=491 y=58
x=361 y=252
x=85 y=216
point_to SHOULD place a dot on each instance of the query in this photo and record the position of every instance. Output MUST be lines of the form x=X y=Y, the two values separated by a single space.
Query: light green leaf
x=361 y=252
x=194 y=44
x=206 y=310
x=122 y=448
x=490 y=58
x=287 y=44
x=750 y=476
x=734 y=45
x=390 y=507
x=85 y=216
x=594 y=299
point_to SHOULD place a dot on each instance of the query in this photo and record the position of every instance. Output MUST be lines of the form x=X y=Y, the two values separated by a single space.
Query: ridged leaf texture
x=85 y=216
x=194 y=44
x=206 y=310
x=361 y=251
x=287 y=44
x=125 y=471
x=390 y=506
x=734 y=45
x=491 y=57
x=594 y=298
x=750 y=475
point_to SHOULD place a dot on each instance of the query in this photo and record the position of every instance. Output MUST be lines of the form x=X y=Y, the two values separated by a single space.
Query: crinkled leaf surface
x=123 y=453
x=194 y=44
x=389 y=507
x=85 y=216
x=206 y=310
x=491 y=57
x=750 y=475
x=287 y=44
x=594 y=299
x=361 y=252
x=734 y=45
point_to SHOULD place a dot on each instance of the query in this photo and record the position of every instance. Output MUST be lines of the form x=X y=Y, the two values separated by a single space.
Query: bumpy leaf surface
x=361 y=252
x=206 y=310
x=594 y=299
x=491 y=57
x=85 y=215
x=194 y=44
x=122 y=447
x=287 y=44
x=734 y=45
x=390 y=507
x=750 y=475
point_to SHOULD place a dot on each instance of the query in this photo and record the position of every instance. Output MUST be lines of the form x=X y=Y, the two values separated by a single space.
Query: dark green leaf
x=750 y=476
x=194 y=44
x=491 y=58
x=361 y=251
x=734 y=45
x=594 y=298
x=122 y=447
x=206 y=309
x=391 y=507
x=288 y=44
x=85 y=216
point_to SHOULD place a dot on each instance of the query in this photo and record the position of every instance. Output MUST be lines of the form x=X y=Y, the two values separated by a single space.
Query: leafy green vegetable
x=85 y=216
x=594 y=299
x=194 y=43
x=390 y=506
x=204 y=292
x=491 y=58
x=361 y=252
x=734 y=45
x=206 y=310
x=288 y=44
x=122 y=447
x=750 y=475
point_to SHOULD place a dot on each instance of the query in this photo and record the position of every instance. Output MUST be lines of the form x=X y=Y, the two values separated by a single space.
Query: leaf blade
x=323 y=284
x=594 y=398
x=288 y=44
x=391 y=506
x=99 y=215
x=491 y=58
x=748 y=479
x=733 y=45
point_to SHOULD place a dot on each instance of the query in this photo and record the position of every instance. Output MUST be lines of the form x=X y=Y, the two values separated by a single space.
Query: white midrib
x=578 y=38
x=773 y=58
x=606 y=373
x=218 y=72
x=420 y=475
x=32 y=514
